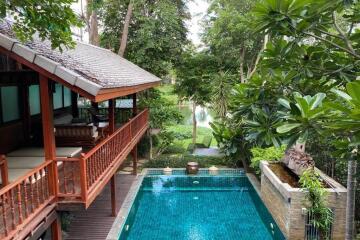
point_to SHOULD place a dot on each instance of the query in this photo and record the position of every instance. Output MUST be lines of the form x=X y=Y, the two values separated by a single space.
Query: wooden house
x=52 y=158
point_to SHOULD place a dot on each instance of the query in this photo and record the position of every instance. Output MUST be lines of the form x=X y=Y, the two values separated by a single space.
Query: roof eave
x=110 y=93
x=67 y=77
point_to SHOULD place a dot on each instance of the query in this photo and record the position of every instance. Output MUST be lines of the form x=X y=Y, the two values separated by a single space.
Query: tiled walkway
x=96 y=221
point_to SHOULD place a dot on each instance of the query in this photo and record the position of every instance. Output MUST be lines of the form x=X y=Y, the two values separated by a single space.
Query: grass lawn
x=184 y=135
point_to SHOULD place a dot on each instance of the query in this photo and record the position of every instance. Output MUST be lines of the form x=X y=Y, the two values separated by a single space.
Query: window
x=67 y=97
x=10 y=103
x=58 y=96
x=34 y=99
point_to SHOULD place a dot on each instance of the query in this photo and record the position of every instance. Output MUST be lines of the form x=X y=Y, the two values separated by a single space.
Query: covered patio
x=64 y=132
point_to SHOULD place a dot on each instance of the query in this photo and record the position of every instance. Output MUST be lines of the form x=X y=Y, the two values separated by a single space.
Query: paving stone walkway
x=212 y=152
x=127 y=167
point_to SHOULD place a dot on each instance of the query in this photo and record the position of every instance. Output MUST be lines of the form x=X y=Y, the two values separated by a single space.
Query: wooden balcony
x=82 y=179
x=23 y=200
x=66 y=182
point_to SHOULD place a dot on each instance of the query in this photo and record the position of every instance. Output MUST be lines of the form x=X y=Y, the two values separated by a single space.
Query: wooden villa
x=52 y=157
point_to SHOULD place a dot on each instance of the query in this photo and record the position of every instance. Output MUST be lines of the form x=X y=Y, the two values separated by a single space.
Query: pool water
x=198 y=208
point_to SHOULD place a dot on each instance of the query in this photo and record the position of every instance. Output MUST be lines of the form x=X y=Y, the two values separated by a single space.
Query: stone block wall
x=286 y=203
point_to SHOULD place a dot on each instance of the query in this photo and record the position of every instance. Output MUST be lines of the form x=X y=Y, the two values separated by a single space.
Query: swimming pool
x=201 y=207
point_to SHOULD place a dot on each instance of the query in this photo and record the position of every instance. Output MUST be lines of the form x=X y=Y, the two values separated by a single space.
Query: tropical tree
x=220 y=93
x=227 y=33
x=194 y=81
x=51 y=19
x=92 y=20
x=308 y=116
x=156 y=32
x=319 y=40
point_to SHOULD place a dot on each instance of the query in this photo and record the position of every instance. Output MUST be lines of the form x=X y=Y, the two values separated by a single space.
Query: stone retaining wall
x=286 y=203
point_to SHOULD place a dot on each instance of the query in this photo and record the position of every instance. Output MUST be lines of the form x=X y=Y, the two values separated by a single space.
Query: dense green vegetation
x=51 y=19
x=276 y=72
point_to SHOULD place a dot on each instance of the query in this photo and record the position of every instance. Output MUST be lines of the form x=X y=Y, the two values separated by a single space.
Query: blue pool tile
x=198 y=208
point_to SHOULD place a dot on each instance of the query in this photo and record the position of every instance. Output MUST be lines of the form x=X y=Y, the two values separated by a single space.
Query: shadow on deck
x=95 y=222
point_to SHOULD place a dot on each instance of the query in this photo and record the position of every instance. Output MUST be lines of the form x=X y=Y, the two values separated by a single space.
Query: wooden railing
x=22 y=200
x=83 y=178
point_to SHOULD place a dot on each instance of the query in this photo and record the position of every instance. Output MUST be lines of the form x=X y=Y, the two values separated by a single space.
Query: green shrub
x=271 y=154
x=315 y=192
x=182 y=135
x=180 y=161
x=191 y=148
x=144 y=146
x=175 y=149
x=207 y=141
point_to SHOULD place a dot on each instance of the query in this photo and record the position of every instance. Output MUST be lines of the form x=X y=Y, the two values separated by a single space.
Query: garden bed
x=287 y=203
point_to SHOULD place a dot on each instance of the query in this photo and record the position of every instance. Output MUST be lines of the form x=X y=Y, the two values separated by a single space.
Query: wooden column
x=4 y=171
x=134 y=158
x=113 y=178
x=48 y=131
x=111 y=115
x=113 y=195
x=56 y=229
x=74 y=104
x=134 y=105
x=134 y=151
x=95 y=105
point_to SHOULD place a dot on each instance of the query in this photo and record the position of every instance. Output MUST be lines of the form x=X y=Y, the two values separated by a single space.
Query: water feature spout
x=167 y=171
x=213 y=170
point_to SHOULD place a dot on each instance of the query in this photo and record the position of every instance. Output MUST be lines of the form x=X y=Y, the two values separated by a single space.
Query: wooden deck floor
x=96 y=221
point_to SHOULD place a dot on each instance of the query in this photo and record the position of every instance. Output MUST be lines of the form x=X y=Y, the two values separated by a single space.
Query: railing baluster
x=47 y=181
x=43 y=184
x=37 y=189
x=25 y=199
x=19 y=202
x=64 y=177
x=31 y=195
x=3 y=210
x=12 y=209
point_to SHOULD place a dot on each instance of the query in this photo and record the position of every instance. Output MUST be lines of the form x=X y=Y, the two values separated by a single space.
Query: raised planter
x=287 y=204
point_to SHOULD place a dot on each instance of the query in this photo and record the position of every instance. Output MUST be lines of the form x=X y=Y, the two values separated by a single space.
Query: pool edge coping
x=124 y=211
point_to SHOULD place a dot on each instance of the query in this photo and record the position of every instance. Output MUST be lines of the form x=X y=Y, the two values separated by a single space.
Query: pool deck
x=96 y=222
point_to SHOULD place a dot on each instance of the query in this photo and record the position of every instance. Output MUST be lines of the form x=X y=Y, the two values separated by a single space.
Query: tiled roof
x=86 y=66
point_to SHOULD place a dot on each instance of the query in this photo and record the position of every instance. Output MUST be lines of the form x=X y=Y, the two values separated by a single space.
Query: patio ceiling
x=99 y=72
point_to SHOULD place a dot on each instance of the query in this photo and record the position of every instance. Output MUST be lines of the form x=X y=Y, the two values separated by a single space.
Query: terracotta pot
x=192 y=168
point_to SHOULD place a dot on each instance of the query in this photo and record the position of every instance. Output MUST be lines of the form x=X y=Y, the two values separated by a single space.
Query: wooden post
x=134 y=105
x=113 y=178
x=4 y=171
x=111 y=115
x=56 y=229
x=113 y=195
x=48 y=131
x=134 y=158
x=74 y=104
x=95 y=105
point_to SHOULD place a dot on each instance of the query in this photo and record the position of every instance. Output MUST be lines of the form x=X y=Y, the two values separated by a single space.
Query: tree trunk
x=194 y=122
x=266 y=40
x=242 y=60
x=151 y=145
x=350 y=204
x=125 y=33
x=94 y=29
